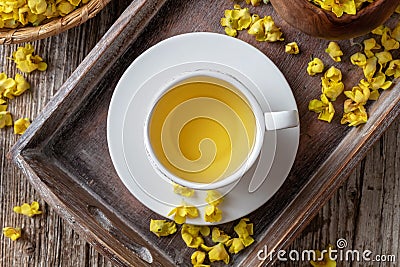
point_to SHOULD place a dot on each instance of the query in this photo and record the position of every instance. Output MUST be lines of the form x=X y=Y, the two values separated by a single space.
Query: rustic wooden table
x=364 y=211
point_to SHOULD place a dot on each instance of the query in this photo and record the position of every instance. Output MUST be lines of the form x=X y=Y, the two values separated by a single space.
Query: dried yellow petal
x=357 y=116
x=190 y=235
x=28 y=210
x=214 y=197
x=332 y=85
x=183 y=191
x=26 y=61
x=359 y=94
x=324 y=260
x=334 y=51
x=244 y=230
x=212 y=214
x=383 y=57
x=5 y=119
x=21 y=125
x=370 y=68
x=235 y=245
x=370 y=44
x=393 y=69
x=324 y=107
x=292 y=48
x=181 y=212
x=253 y=2
x=162 y=227
x=388 y=42
x=22 y=85
x=198 y=257
x=315 y=66
x=236 y=19
x=265 y=30
x=218 y=253
x=12 y=233
x=218 y=236
x=358 y=59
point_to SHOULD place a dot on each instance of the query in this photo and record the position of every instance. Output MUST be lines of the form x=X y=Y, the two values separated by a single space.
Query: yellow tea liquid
x=202 y=131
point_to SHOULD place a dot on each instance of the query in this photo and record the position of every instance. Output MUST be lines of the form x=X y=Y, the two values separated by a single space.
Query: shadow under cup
x=204 y=130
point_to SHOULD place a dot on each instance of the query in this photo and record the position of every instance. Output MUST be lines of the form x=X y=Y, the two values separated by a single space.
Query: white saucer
x=134 y=92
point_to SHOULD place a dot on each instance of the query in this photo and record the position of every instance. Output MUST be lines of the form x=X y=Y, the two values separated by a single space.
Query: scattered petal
x=181 y=212
x=12 y=233
x=162 y=227
x=315 y=66
x=183 y=191
x=21 y=125
x=292 y=48
x=218 y=253
x=334 y=51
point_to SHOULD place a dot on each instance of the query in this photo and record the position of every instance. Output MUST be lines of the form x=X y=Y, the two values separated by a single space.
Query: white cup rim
x=258 y=141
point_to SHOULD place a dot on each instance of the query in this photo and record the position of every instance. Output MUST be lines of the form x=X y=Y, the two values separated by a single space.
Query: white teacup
x=205 y=129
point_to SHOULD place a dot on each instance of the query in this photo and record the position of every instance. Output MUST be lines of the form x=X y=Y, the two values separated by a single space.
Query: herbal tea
x=202 y=131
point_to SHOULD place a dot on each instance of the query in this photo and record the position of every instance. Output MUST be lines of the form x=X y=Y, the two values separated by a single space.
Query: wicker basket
x=54 y=26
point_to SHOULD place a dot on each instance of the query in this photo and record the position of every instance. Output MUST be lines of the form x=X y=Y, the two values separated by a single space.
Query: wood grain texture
x=72 y=172
x=320 y=23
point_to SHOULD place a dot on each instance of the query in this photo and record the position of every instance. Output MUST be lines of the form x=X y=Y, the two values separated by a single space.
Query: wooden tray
x=65 y=155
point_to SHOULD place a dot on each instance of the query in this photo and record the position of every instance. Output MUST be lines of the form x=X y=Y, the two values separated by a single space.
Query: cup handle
x=281 y=119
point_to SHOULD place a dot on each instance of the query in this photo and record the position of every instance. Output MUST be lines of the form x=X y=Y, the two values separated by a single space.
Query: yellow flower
x=212 y=214
x=236 y=19
x=244 y=230
x=358 y=59
x=181 y=212
x=21 y=125
x=339 y=6
x=218 y=236
x=265 y=30
x=393 y=69
x=37 y=6
x=292 y=48
x=315 y=66
x=214 y=197
x=7 y=86
x=383 y=57
x=218 y=253
x=28 y=210
x=22 y=85
x=5 y=119
x=358 y=115
x=332 y=85
x=370 y=44
x=198 y=257
x=324 y=260
x=12 y=233
x=334 y=51
x=183 y=191
x=370 y=68
x=253 y=2
x=379 y=82
x=26 y=61
x=3 y=105
x=235 y=245
x=162 y=227
x=191 y=235
x=324 y=107
x=396 y=32
x=388 y=42
x=358 y=94
x=379 y=30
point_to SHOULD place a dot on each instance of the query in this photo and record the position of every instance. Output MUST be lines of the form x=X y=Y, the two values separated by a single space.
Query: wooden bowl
x=320 y=23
